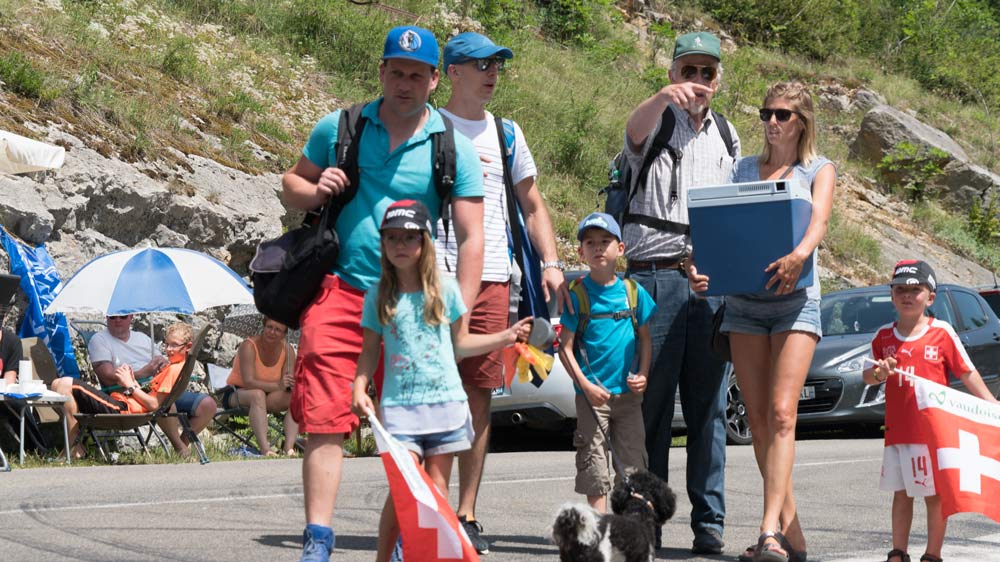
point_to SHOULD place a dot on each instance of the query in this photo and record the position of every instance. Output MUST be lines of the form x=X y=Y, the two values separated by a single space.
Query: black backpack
x=622 y=183
x=288 y=271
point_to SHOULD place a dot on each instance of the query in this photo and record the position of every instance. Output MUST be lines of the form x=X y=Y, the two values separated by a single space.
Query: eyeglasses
x=781 y=114
x=483 y=64
x=170 y=345
x=691 y=71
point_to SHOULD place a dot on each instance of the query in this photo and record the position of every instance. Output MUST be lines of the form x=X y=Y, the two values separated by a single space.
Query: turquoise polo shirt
x=386 y=177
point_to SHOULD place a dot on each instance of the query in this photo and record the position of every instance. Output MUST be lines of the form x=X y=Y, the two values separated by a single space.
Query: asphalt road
x=252 y=510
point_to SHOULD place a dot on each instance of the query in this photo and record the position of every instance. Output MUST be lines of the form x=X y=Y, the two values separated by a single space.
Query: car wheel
x=737 y=424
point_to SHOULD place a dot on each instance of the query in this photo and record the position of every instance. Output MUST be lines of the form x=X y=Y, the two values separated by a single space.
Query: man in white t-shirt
x=119 y=345
x=473 y=64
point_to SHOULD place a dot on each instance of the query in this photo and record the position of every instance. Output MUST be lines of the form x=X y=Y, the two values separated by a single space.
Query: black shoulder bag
x=287 y=272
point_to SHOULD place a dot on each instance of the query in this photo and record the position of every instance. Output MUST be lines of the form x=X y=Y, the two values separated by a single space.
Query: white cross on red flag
x=964 y=441
x=429 y=527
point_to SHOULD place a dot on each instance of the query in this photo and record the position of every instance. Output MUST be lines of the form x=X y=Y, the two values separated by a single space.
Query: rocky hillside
x=200 y=122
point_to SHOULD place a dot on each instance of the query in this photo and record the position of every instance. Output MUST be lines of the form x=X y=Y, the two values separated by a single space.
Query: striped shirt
x=496 y=256
x=704 y=161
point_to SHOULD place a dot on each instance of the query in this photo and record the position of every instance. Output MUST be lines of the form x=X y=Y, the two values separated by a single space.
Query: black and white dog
x=639 y=504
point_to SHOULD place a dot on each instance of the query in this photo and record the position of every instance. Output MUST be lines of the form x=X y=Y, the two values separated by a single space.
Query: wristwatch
x=558 y=264
x=130 y=390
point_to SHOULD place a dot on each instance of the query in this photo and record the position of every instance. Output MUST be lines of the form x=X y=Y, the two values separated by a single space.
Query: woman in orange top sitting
x=262 y=380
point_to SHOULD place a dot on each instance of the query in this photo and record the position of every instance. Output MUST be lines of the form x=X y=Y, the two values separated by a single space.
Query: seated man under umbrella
x=135 y=378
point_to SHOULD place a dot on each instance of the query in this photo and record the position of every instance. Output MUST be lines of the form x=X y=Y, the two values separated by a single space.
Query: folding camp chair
x=122 y=425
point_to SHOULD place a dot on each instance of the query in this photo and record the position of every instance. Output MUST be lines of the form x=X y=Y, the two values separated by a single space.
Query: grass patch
x=20 y=76
x=235 y=105
x=953 y=230
x=848 y=242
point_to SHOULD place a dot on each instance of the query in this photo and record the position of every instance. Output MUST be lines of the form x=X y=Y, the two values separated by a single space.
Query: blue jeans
x=681 y=330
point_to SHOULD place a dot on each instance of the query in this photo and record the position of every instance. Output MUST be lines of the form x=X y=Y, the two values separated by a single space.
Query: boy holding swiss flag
x=929 y=348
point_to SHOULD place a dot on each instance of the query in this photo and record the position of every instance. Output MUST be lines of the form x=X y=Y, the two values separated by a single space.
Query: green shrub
x=235 y=105
x=912 y=168
x=20 y=76
x=984 y=222
x=179 y=59
x=574 y=21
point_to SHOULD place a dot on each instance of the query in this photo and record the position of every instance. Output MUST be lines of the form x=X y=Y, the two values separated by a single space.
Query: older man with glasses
x=680 y=143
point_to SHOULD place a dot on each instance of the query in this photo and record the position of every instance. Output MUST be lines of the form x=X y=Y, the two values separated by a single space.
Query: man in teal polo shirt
x=394 y=163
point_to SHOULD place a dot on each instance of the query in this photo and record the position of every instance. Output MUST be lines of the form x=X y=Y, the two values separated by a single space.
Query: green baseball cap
x=698 y=43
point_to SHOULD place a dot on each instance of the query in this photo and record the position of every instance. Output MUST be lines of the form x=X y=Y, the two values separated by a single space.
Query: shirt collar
x=682 y=116
x=434 y=123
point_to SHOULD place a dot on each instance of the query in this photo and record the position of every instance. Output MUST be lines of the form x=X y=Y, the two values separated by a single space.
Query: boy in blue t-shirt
x=601 y=363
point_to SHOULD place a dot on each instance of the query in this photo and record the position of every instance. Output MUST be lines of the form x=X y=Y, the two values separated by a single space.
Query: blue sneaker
x=317 y=543
x=397 y=551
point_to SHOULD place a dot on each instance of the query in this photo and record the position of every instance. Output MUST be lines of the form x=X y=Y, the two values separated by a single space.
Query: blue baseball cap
x=470 y=46
x=603 y=221
x=412 y=43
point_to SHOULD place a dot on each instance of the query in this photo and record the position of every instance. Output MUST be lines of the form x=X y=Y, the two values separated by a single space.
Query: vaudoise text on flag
x=429 y=527
x=964 y=442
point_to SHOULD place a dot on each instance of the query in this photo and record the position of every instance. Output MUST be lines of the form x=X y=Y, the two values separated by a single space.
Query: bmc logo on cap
x=408 y=213
x=596 y=221
x=409 y=41
x=906 y=269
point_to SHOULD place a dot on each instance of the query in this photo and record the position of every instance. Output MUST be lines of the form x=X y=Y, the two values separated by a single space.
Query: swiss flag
x=964 y=441
x=429 y=527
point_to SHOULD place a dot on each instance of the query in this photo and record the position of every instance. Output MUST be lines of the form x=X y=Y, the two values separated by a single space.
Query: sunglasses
x=483 y=64
x=691 y=71
x=118 y=317
x=781 y=115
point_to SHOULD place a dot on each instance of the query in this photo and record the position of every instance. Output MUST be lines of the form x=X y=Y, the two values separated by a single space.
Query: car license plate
x=808 y=393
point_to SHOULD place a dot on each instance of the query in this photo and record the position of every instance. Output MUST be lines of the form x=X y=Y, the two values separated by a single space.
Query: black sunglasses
x=118 y=317
x=690 y=71
x=483 y=64
x=781 y=114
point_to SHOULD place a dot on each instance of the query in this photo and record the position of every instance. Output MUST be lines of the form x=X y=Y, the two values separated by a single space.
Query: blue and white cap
x=413 y=43
x=603 y=221
x=471 y=46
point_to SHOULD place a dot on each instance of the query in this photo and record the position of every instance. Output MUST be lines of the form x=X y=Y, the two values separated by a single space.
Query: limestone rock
x=866 y=99
x=884 y=127
x=23 y=210
x=961 y=183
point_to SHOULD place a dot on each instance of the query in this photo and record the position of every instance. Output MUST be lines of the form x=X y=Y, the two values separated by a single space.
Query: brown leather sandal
x=930 y=558
x=896 y=553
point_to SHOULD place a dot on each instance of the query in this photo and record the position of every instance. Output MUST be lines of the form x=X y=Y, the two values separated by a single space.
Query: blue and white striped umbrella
x=151 y=280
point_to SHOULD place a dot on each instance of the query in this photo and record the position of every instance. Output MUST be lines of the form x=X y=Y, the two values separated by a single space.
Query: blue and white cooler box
x=738 y=229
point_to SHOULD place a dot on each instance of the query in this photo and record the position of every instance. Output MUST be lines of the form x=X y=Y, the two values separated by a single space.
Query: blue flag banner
x=40 y=282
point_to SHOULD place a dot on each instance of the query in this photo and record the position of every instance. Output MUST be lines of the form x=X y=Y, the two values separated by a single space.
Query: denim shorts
x=188 y=402
x=767 y=316
x=440 y=443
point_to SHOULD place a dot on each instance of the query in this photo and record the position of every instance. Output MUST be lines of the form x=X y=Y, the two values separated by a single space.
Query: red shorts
x=328 y=359
x=489 y=315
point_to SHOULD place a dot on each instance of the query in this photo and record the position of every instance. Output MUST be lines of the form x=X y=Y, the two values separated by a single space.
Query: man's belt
x=653 y=265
